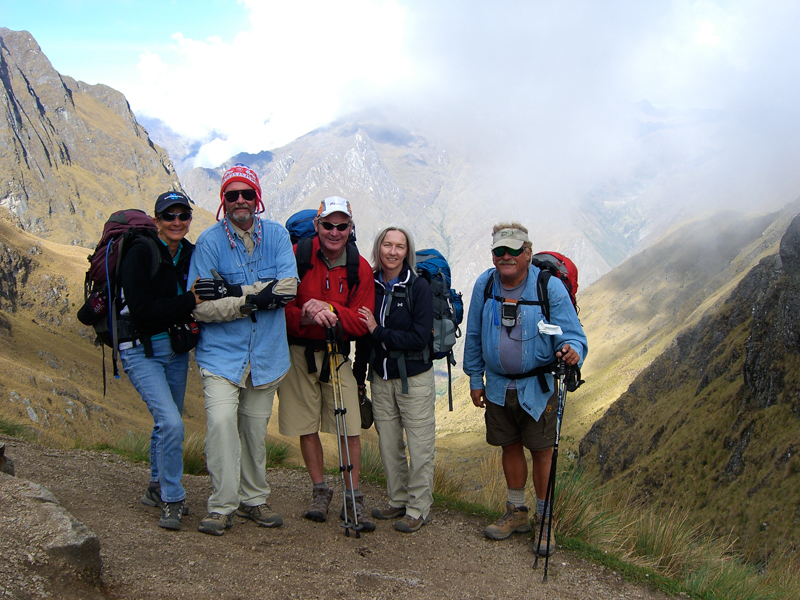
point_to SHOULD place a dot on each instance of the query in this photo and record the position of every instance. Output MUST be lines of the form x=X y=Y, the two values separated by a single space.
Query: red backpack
x=550 y=264
x=563 y=268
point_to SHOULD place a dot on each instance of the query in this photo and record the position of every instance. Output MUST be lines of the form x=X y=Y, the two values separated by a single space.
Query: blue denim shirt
x=225 y=349
x=481 y=350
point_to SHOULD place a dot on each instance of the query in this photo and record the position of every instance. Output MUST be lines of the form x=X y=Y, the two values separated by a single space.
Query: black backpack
x=103 y=302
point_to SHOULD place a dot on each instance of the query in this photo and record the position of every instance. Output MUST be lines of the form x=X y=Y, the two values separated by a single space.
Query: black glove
x=267 y=299
x=216 y=288
x=573 y=378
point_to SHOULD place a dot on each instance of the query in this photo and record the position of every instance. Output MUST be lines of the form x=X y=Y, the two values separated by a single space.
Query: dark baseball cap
x=168 y=199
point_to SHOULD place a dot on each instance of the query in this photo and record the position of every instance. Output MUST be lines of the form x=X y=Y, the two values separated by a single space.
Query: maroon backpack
x=102 y=294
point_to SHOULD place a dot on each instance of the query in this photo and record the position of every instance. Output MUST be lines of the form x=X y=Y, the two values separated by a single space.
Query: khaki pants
x=409 y=479
x=235 y=449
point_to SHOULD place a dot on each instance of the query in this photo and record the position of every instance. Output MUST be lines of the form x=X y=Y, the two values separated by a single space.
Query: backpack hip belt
x=538 y=372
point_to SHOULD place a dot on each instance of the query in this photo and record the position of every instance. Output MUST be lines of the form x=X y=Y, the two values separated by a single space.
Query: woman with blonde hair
x=401 y=376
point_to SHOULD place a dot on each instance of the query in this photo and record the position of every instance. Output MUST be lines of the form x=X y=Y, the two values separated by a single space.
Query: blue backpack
x=301 y=225
x=448 y=308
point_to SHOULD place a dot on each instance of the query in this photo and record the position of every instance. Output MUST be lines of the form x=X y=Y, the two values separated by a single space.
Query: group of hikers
x=263 y=330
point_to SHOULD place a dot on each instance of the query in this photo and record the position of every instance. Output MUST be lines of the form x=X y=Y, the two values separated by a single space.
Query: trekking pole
x=340 y=418
x=550 y=494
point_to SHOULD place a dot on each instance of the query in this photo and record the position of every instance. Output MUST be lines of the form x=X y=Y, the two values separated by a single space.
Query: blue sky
x=549 y=91
x=93 y=40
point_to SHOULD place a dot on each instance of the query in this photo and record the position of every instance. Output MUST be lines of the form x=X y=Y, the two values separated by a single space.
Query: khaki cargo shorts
x=305 y=404
x=511 y=423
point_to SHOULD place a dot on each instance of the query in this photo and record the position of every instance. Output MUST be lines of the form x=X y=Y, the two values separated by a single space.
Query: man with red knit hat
x=245 y=264
x=336 y=284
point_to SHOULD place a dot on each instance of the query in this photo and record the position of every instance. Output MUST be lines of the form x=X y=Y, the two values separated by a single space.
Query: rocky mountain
x=389 y=173
x=393 y=173
x=713 y=424
x=70 y=153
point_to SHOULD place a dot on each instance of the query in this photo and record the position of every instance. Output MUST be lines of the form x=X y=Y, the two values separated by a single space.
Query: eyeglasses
x=170 y=217
x=233 y=195
x=327 y=226
x=501 y=251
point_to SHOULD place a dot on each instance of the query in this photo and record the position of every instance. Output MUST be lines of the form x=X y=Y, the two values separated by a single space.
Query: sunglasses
x=233 y=195
x=329 y=226
x=170 y=217
x=501 y=251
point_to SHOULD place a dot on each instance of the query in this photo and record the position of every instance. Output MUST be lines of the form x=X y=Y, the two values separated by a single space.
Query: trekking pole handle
x=561 y=369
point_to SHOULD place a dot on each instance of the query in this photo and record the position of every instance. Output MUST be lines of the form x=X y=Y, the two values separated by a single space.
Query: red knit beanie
x=244 y=174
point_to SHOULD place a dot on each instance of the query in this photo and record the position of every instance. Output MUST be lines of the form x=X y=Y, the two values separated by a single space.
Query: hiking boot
x=215 y=523
x=262 y=515
x=409 y=524
x=514 y=521
x=541 y=548
x=319 y=504
x=389 y=512
x=171 y=513
x=152 y=497
x=361 y=512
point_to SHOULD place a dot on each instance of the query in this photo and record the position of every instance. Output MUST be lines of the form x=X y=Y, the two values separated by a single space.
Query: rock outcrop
x=43 y=546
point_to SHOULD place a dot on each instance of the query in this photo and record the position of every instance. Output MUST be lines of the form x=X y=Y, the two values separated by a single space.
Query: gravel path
x=448 y=558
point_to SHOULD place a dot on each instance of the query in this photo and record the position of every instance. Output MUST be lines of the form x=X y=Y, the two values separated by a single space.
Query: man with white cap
x=247 y=269
x=334 y=283
x=509 y=341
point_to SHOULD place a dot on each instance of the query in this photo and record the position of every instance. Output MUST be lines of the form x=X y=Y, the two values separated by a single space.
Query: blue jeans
x=161 y=381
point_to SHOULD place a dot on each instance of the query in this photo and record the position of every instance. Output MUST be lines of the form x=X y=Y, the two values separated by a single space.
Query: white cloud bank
x=549 y=90
x=282 y=75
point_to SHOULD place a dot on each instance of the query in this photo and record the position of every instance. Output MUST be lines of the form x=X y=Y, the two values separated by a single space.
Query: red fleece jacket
x=331 y=286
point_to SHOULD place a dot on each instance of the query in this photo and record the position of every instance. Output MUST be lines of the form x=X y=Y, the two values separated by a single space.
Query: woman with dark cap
x=157 y=296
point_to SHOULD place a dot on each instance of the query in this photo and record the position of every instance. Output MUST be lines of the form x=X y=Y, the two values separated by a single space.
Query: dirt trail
x=448 y=558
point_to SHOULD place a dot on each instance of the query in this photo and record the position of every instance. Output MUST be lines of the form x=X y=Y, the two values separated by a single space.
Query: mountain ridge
x=714 y=421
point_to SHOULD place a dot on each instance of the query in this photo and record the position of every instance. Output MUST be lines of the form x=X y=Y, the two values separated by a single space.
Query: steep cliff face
x=70 y=153
x=714 y=422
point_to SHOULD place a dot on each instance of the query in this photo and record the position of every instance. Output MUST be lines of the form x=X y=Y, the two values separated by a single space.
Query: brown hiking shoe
x=542 y=547
x=409 y=524
x=389 y=512
x=262 y=515
x=361 y=512
x=514 y=521
x=319 y=504
x=215 y=523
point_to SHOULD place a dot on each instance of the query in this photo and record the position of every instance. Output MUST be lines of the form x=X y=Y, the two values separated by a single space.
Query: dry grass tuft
x=371 y=465
x=447 y=483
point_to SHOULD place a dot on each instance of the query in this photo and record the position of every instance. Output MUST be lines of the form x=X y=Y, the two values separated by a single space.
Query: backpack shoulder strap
x=353 y=264
x=542 y=281
x=134 y=237
x=487 y=292
x=410 y=291
x=541 y=293
x=303 y=256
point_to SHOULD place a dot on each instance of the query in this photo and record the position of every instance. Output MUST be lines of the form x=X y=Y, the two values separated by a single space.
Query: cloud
x=547 y=96
x=281 y=76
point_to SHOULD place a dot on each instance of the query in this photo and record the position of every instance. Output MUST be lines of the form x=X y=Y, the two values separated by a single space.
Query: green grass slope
x=632 y=314
x=713 y=424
